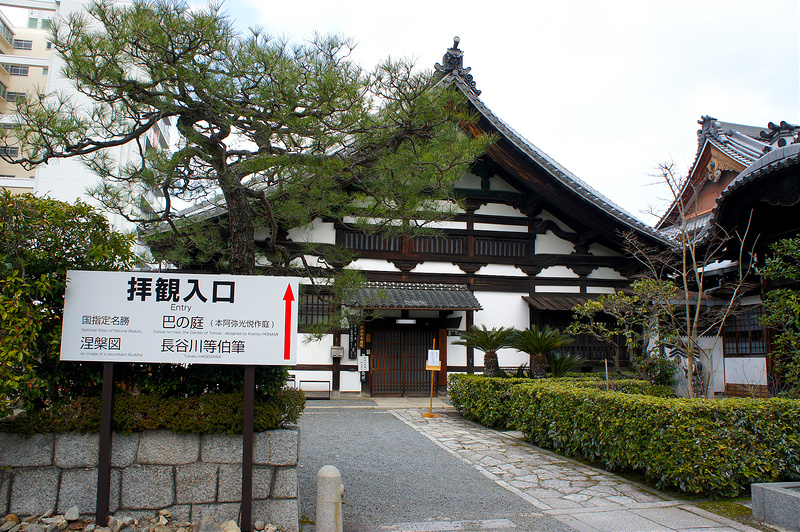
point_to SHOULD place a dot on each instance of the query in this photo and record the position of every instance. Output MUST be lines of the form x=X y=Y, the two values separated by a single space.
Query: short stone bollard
x=329 y=500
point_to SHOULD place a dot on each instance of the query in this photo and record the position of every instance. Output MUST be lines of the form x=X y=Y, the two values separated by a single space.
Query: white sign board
x=180 y=318
x=363 y=363
x=433 y=360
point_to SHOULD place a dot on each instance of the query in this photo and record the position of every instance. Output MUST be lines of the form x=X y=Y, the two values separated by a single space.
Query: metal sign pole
x=104 y=458
x=246 y=523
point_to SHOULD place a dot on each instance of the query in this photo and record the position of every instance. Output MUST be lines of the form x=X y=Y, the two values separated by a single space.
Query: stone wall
x=192 y=475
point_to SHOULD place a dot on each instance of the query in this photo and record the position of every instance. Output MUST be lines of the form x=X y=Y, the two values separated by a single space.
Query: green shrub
x=483 y=399
x=699 y=446
x=211 y=413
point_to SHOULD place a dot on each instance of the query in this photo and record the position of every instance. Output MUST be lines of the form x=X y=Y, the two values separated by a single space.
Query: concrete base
x=777 y=503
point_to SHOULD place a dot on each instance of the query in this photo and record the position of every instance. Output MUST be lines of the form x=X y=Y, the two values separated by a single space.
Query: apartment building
x=24 y=69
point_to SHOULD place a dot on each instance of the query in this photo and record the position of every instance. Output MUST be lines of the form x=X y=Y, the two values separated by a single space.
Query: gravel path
x=396 y=479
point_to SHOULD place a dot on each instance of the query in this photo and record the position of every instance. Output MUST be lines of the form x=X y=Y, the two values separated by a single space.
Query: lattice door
x=398 y=362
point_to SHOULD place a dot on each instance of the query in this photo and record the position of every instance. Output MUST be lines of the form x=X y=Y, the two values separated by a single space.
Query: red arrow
x=287 y=334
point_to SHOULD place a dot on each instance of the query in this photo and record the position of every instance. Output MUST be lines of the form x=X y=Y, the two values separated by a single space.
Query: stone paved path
x=585 y=498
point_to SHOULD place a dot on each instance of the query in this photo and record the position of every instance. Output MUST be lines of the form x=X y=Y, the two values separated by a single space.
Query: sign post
x=164 y=317
x=433 y=365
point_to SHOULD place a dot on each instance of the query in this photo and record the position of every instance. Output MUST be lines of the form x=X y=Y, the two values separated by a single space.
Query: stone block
x=221 y=449
x=74 y=450
x=219 y=512
x=283 y=513
x=6 y=476
x=230 y=483
x=777 y=503
x=147 y=486
x=79 y=488
x=196 y=483
x=262 y=481
x=20 y=450
x=285 y=484
x=276 y=448
x=166 y=447
x=34 y=490
x=124 y=448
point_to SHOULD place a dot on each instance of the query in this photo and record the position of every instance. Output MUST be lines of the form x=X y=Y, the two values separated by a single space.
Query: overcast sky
x=609 y=89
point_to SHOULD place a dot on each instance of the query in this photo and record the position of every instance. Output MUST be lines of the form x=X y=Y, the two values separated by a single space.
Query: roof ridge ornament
x=709 y=128
x=453 y=63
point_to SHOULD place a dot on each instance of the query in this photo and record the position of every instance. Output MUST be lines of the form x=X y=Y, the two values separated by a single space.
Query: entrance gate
x=398 y=362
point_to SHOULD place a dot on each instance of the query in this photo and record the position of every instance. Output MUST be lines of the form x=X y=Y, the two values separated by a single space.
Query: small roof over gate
x=414 y=296
x=564 y=302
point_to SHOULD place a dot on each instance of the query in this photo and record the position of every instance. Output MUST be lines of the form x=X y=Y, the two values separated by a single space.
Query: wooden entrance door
x=398 y=362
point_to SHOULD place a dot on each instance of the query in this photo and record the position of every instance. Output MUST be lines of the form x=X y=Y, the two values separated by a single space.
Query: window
x=9 y=151
x=33 y=22
x=45 y=70
x=314 y=309
x=47 y=24
x=16 y=70
x=743 y=335
x=7 y=176
x=13 y=96
x=22 y=44
x=49 y=45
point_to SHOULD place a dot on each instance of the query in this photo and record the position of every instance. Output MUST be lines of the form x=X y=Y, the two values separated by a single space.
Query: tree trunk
x=240 y=224
x=491 y=368
x=539 y=366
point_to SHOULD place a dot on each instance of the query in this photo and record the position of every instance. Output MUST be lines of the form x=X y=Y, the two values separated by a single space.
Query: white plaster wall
x=599 y=290
x=501 y=227
x=312 y=351
x=498 y=183
x=605 y=273
x=550 y=243
x=713 y=359
x=317 y=231
x=543 y=289
x=506 y=270
x=468 y=181
x=746 y=370
x=547 y=216
x=561 y=272
x=499 y=209
x=437 y=267
x=602 y=251
x=373 y=265
x=350 y=381
x=448 y=224
x=502 y=309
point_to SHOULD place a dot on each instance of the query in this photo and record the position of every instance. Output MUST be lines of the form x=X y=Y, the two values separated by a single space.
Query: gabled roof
x=452 y=71
x=744 y=144
x=414 y=296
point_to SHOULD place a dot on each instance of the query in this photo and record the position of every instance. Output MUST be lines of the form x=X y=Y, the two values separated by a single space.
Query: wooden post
x=433 y=370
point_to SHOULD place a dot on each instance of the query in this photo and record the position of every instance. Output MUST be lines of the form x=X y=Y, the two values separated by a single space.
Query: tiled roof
x=770 y=162
x=741 y=143
x=388 y=295
x=564 y=302
x=463 y=80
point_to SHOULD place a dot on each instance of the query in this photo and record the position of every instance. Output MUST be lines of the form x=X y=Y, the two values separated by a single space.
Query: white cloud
x=609 y=89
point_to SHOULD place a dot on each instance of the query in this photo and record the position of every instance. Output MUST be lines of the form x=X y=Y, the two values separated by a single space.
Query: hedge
x=487 y=400
x=211 y=413
x=699 y=446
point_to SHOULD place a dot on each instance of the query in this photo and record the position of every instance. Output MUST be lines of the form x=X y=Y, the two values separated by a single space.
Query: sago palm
x=489 y=341
x=538 y=343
